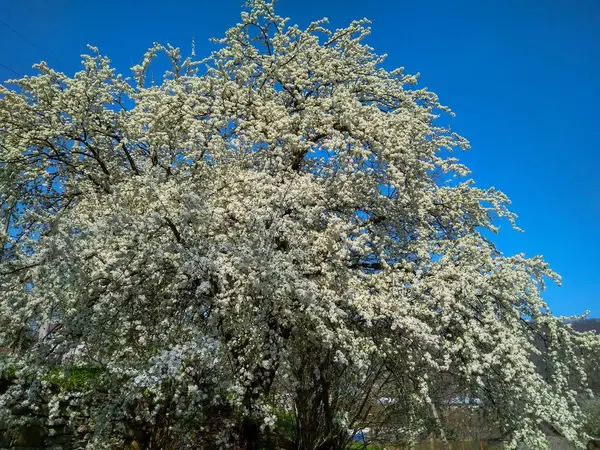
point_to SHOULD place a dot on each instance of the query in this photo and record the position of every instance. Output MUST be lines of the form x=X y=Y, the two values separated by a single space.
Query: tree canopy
x=264 y=246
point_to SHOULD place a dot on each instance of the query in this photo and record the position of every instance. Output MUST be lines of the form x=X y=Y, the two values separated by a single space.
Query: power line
x=11 y=70
x=28 y=40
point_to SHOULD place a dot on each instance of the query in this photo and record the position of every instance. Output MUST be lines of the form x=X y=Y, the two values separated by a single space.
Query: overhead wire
x=30 y=42
x=11 y=70
x=25 y=38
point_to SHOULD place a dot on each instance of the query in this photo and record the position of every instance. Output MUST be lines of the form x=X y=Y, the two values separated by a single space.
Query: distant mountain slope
x=587 y=325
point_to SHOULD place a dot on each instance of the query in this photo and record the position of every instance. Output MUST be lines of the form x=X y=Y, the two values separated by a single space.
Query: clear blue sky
x=523 y=77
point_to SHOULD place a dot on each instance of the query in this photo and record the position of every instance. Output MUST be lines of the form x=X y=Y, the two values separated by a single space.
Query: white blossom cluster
x=194 y=237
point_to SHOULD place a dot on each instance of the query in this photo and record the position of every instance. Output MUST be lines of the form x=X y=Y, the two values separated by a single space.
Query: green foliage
x=74 y=378
x=285 y=423
x=362 y=446
x=592 y=411
x=8 y=372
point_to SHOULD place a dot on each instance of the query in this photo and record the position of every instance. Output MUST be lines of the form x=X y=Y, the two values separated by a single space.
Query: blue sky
x=521 y=75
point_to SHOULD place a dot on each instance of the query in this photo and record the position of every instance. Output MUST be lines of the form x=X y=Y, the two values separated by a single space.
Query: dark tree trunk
x=250 y=433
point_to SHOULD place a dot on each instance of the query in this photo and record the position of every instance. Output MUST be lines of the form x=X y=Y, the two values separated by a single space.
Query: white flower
x=285 y=216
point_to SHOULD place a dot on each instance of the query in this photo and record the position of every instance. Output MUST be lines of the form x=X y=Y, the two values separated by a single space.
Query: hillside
x=587 y=325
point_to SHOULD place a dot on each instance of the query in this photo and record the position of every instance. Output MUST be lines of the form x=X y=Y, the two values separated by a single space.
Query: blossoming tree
x=260 y=248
